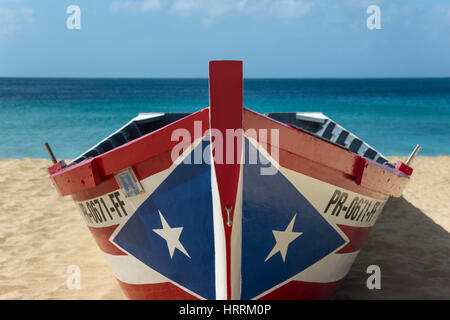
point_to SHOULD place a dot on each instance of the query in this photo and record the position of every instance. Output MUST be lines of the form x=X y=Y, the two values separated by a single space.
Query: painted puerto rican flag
x=282 y=233
x=170 y=244
x=172 y=231
x=300 y=252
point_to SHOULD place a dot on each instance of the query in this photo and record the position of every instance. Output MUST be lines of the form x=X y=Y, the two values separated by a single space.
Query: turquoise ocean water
x=392 y=115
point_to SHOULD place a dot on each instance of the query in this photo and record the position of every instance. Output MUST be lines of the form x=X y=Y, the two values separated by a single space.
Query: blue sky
x=177 y=38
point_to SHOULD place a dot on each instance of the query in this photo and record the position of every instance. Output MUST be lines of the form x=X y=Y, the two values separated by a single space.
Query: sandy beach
x=42 y=234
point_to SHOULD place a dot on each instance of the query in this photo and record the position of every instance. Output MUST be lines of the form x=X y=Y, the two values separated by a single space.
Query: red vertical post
x=226 y=103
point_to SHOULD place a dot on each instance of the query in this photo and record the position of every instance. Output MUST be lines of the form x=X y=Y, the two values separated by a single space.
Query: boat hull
x=329 y=223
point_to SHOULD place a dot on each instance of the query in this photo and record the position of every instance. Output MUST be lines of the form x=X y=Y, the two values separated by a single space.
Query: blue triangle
x=185 y=200
x=270 y=203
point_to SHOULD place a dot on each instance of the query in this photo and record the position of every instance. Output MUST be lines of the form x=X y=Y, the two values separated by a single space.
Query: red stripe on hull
x=151 y=145
x=102 y=235
x=90 y=173
x=142 y=170
x=76 y=178
x=153 y=165
x=326 y=174
x=108 y=185
x=155 y=291
x=299 y=290
x=356 y=235
x=299 y=151
x=305 y=153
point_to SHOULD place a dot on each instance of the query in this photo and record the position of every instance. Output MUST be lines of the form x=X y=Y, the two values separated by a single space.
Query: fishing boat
x=228 y=203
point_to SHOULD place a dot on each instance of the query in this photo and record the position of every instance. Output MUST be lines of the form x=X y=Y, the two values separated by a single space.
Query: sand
x=43 y=234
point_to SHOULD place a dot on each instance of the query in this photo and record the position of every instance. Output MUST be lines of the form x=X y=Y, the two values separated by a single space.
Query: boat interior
x=315 y=123
x=139 y=126
x=319 y=125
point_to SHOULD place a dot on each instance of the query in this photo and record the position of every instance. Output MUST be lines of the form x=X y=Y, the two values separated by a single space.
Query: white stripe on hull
x=219 y=239
x=330 y=269
x=130 y=270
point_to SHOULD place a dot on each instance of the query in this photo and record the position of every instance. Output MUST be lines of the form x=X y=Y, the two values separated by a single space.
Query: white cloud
x=291 y=9
x=8 y=21
x=361 y=4
x=28 y=14
x=12 y=20
x=440 y=13
x=137 y=6
x=335 y=12
x=209 y=9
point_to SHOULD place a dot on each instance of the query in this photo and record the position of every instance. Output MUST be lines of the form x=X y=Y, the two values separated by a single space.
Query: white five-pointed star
x=283 y=239
x=171 y=235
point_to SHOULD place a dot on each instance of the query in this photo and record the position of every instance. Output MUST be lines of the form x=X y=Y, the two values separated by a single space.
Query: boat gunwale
x=106 y=164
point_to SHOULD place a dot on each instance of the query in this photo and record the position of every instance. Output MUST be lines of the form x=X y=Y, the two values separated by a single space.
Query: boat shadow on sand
x=412 y=251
